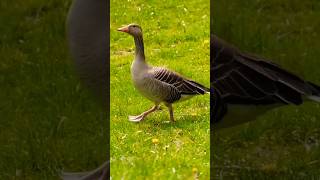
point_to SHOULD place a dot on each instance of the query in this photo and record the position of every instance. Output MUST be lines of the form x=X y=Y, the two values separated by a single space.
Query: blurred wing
x=242 y=79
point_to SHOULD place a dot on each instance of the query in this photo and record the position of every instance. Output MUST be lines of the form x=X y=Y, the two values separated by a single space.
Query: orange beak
x=124 y=29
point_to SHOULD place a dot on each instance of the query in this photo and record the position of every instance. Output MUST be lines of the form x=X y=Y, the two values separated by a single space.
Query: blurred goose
x=247 y=86
x=87 y=27
x=158 y=84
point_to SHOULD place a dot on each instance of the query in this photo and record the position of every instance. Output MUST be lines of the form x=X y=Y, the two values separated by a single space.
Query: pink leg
x=143 y=115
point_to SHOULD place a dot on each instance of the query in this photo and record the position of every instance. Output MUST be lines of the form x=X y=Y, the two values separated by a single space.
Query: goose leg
x=143 y=115
x=170 y=112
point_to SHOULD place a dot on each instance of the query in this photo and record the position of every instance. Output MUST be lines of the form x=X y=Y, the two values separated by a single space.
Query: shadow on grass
x=186 y=121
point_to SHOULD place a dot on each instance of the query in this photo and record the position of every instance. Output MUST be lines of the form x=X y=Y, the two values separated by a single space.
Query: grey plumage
x=248 y=86
x=173 y=87
x=183 y=85
x=158 y=84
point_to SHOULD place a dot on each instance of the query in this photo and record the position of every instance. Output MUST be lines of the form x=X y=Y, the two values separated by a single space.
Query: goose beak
x=124 y=29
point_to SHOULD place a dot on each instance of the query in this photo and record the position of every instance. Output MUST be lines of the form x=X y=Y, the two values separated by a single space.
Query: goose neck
x=138 y=40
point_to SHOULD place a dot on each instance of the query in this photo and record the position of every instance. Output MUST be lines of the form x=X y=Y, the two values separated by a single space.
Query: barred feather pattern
x=179 y=85
x=162 y=85
x=244 y=79
x=184 y=85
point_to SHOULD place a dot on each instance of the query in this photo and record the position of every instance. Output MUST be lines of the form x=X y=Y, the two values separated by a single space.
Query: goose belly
x=148 y=89
x=239 y=114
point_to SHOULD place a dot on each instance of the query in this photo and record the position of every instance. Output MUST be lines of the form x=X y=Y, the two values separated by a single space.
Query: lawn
x=284 y=143
x=176 y=35
x=47 y=120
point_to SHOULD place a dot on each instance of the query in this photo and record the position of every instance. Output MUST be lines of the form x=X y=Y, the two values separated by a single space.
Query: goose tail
x=201 y=89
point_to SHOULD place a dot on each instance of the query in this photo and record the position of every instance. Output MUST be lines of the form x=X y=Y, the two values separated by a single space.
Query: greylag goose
x=158 y=84
x=247 y=86
x=87 y=26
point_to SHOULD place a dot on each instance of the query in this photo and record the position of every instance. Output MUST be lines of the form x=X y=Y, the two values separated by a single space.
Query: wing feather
x=183 y=85
x=243 y=79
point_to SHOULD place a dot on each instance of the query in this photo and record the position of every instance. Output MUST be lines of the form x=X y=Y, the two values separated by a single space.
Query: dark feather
x=244 y=79
x=183 y=85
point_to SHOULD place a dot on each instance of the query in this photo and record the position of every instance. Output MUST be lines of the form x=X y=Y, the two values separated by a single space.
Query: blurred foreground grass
x=47 y=121
x=285 y=142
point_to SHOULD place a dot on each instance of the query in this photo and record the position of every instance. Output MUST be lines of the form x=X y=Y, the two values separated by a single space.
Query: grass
x=47 y=121
x=284 y=143
x=176 y=36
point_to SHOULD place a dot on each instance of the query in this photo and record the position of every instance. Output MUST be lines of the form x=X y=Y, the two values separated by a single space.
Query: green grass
x=176 y=35
x=47 y=121
x=284 y=142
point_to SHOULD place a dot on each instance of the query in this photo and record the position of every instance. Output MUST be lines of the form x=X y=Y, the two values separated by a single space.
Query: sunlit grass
x=176 y=36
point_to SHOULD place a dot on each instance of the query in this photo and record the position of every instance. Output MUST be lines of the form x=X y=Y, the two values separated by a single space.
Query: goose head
x=132 y=29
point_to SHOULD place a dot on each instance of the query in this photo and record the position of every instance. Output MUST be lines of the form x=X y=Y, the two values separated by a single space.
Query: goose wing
x=243 y=79
x=183 y=85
